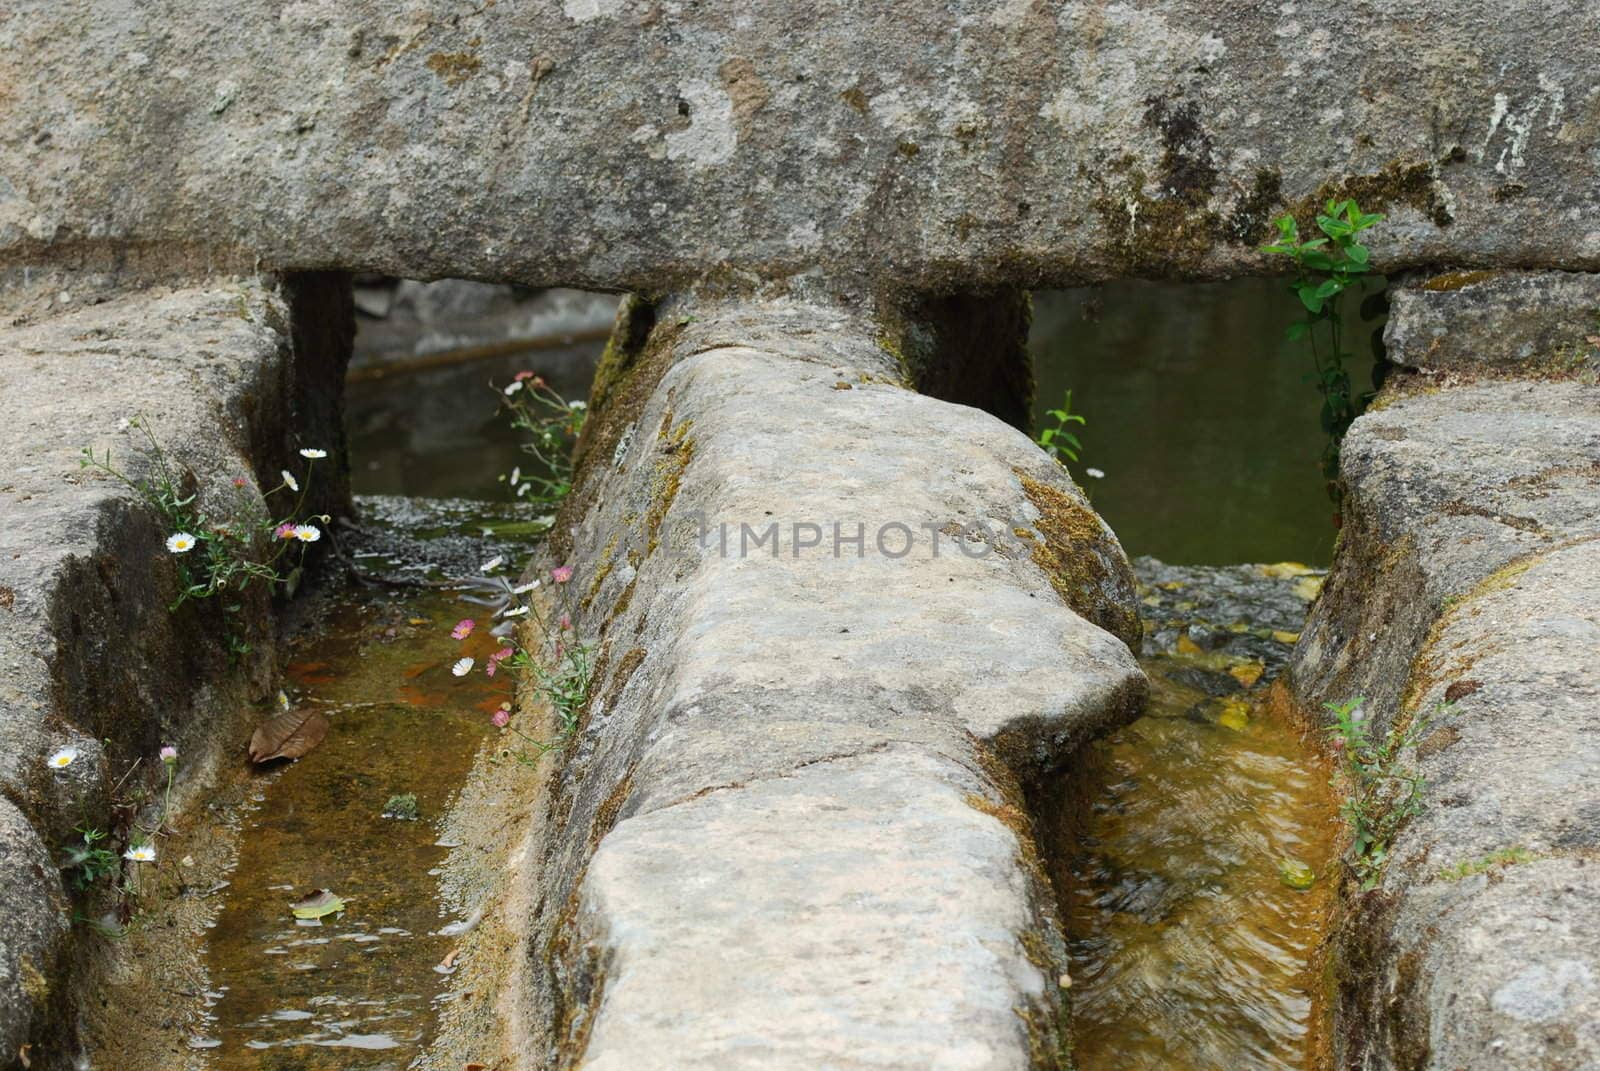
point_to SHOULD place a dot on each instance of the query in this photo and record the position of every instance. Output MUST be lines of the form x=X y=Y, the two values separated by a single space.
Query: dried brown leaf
x=288 y=736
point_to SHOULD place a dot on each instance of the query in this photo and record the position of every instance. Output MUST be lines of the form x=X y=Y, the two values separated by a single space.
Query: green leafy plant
x=86 y=864
x=1325 y=268
x=1059 y=442
x=217 y=557
x=1383 y=791
x=552 y=423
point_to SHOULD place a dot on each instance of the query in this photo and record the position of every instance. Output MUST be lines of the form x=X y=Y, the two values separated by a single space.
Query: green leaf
x=1309 y=298
x=1329 y=288
x=319 y=904
x=1357 y=252
x=1298 y=330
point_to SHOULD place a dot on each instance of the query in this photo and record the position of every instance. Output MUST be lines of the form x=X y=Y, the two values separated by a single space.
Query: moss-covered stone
x=1078 y=554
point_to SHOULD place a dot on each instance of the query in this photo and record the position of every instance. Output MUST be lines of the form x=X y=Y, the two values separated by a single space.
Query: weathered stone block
x=1480 y=321
x=1468 y=573
x=936 y=146
x=799 y=780
x=90 y=655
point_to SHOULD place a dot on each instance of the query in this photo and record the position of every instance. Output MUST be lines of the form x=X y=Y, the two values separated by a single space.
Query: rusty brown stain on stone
x=745 y=88
x=453 y=68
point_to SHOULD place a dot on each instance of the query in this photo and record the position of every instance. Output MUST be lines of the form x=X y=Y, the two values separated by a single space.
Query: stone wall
x=1467 y=575
x=233 y=376
x=793 y=822
x=934 y=146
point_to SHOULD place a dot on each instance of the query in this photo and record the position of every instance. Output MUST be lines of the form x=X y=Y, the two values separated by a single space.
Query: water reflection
x=359 y=985
x=1200 y=415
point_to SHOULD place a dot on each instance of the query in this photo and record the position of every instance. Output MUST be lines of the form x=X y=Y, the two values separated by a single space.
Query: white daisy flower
x=1096 y=473
x=62 y=758
x=492 y=564
x=577 y=405
x=141 y=853
x=515 y=611
x=180 y=542
x=313 y=454
x=512 y=387
x=525 y=588
x=289 y=481
x=462 y=668
x=307 y=533
x=283 y=700
x=516 y=474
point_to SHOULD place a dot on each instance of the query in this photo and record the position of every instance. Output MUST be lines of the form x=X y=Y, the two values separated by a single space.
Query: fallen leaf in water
x=1309 y=587
x=1296 y=874
x=288 y=736
x=1235 y=714
x=1247 y=673
x=1285 y=570
x=1285 y=637
x=1188 y=646
x=318 y=904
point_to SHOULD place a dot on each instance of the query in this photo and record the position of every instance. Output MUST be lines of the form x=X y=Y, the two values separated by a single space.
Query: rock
x=929 y=147
x=1468 y=569
x=1229 y=611
x=90 y=656
x=36 y=926
x=1476 y=321
x=1445 y=489
x=427 y=319
x=792 y=830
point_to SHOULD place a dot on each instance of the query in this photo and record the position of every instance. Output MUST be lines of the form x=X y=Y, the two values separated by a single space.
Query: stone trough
x=793 y=831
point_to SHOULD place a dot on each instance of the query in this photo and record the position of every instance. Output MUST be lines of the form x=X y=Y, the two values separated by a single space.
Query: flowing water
x=1199 y=868
x=1188 y=833
x=362 y=988
x=355 y=989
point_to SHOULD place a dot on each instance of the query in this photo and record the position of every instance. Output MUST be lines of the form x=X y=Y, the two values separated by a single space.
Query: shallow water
x=1199 y=413
x=355 y=990
x=1190 y=949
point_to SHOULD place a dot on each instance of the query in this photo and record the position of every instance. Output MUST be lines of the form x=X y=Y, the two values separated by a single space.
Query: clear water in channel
x=362 y=989
x=1192 y=835
x=355 y=990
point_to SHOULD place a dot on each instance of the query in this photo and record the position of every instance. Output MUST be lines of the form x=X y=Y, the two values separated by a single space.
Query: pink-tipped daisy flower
x=561 y=574
x=463 y=628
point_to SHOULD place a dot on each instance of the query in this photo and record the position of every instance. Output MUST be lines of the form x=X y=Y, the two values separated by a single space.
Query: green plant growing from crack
x=553 y=424
x=1326 y=267
x=1060 y=442
x=1383 y=791
x=217 y=557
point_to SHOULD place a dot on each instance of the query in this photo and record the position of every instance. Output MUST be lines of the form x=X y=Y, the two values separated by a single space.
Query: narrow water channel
x=354 y=989
x=363 y=815
x=1195 y=850
x=1200 y=865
